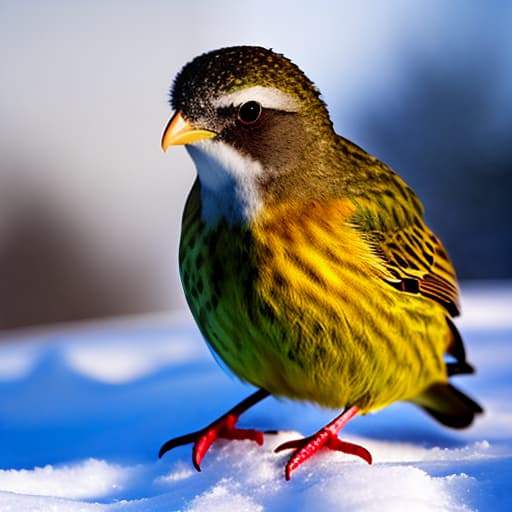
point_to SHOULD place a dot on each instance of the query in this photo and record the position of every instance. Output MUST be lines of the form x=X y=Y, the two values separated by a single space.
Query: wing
x=416 y=257
x=390 y=216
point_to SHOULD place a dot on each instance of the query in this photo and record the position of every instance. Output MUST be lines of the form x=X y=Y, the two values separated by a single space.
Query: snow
x=84 y=409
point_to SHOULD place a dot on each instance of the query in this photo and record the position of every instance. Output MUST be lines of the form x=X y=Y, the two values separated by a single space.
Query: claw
x=223 y=427
x=328 y=437
x=350 y=448
x=294 y=444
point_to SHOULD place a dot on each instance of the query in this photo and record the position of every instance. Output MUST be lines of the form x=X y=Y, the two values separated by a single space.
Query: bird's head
x=252 y=122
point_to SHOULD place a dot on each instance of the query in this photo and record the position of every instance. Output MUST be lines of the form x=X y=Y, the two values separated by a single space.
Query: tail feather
x=459 y=368
x=448 y=405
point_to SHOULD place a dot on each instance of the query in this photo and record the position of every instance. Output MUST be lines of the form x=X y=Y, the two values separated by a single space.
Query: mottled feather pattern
x=390 y=215
x=308 y=286
x=241 y=67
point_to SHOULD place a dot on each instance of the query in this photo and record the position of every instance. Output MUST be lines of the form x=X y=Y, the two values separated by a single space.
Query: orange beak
x=180 y=131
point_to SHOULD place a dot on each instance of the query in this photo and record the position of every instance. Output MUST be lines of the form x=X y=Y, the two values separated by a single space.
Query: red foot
x=223 y=427
x=328 y=437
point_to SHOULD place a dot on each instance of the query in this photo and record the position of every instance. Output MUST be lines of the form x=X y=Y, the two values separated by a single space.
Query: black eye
x=249 y=112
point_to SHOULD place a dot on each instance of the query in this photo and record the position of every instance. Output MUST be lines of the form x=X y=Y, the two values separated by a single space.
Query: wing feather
x=390 y=215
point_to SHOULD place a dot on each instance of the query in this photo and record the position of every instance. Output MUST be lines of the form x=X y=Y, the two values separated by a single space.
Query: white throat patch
x=228 y=182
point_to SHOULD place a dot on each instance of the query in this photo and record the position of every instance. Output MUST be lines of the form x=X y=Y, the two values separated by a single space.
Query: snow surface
x=84 y=409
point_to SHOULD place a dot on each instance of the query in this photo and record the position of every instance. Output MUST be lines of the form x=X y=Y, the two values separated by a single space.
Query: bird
x=305 y=261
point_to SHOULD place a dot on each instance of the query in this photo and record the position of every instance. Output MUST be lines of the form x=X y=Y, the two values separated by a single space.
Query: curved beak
x=180 y=131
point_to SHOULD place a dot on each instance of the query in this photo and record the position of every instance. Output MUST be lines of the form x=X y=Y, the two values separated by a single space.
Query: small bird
x=305 y=261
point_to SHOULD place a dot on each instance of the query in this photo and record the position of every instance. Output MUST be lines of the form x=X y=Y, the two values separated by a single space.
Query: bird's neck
x=228 y=184
x=236 y=187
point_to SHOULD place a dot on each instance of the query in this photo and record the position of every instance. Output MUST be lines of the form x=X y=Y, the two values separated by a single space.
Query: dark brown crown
x=228 y=69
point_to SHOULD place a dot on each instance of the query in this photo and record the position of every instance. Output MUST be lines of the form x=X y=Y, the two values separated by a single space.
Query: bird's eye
x=249 y=112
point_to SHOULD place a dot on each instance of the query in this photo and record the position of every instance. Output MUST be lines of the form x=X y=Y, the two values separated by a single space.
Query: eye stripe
x=267 y=97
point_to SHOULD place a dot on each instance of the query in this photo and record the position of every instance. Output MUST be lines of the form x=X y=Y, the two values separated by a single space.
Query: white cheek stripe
x=267 y=97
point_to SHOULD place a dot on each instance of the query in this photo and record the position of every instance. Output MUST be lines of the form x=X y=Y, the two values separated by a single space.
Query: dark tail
x=448 y=405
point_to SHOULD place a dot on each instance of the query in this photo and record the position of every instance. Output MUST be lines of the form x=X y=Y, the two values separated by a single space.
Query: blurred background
x=90 y=206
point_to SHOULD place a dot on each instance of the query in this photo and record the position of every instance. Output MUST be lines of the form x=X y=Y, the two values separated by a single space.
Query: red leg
x=223 y=427
x=328 y=437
